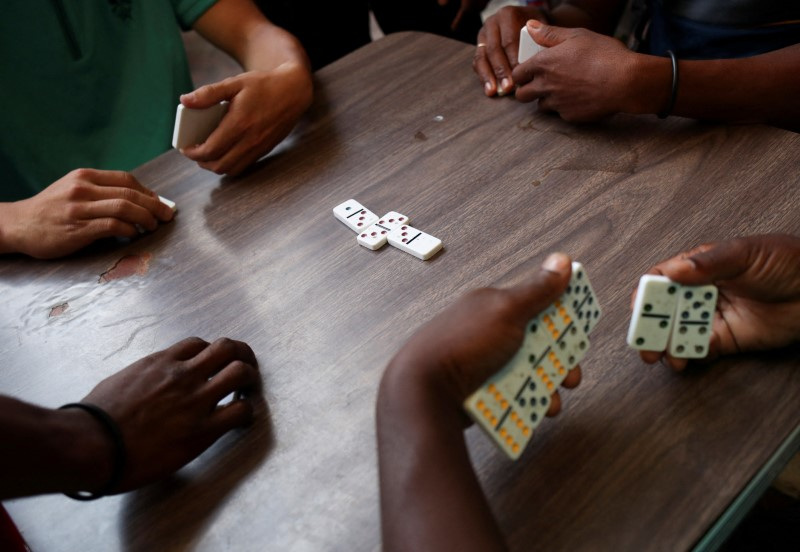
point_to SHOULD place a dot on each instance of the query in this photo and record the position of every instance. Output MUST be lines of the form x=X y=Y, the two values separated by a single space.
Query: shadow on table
x=174 y=513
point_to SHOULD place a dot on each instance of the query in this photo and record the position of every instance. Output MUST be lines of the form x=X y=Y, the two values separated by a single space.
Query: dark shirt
x=720 y=29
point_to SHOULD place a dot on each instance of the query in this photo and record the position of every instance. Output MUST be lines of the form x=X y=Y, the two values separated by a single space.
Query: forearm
x=44 y=450
x=761 y=88
x=239 y=29
x=430 y=496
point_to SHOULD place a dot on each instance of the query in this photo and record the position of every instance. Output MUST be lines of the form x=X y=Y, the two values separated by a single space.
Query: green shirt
x=88 y=83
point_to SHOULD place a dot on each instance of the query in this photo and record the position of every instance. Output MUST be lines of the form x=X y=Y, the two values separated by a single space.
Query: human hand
x=264 y=107
x=582 y=75
x=498 y=45
x=166 y=406
x=459 y=349
x=83 y=206
x=758 y=279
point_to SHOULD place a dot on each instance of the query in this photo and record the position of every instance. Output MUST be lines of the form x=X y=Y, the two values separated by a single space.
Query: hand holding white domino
x=413 y=241
x=194 y=126
x=527 y=46
x=691 y=332
x=354 y=215
x=374 y=237
x=669 y=316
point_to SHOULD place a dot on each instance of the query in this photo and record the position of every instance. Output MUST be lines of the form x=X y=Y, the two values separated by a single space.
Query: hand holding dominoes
x=672 y=317
x=758 y=281
x=455 y=353
x=393 y=228
x=513 y=402
x=496 y=53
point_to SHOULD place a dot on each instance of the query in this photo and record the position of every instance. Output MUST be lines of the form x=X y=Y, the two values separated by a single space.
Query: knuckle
x=118 y=206
x=129 y=181
x=81 y=174
x=72 y=211
x=114 y=227
x=194 y=340
x=77 y=189
x=225 y=344
x=499 y=70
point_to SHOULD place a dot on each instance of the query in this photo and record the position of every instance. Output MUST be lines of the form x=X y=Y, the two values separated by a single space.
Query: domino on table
x=653 y=313
x=374 y=237
x=413 y=241
x=581 y=297
x=527 y=46
x=691 y=332
x=194 y=126
x=354 y=215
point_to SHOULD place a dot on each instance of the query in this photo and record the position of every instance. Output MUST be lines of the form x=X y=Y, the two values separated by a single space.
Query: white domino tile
x=691 y=331
x=354 y=215
x=413 y=241
x=653 y=313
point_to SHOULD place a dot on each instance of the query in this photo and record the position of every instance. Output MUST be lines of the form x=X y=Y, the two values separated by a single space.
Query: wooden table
x=641 y=458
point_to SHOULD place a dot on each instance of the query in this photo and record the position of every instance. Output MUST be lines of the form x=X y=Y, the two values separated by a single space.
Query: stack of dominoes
x=659 y=301
x=374 y=232
x=514 y=401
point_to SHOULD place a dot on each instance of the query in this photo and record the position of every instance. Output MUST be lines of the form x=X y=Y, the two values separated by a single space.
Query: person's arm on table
x=584 y=76
x=498 y=40
x=83 y=206
x=165 y=406
x=265 y=101
x=430 y=496
x=758 y=278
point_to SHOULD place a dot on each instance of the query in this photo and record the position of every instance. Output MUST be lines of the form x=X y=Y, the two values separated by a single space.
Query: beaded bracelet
x=119 y=456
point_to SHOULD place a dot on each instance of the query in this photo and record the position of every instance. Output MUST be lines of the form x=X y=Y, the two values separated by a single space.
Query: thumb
x=210 y=94
x=547 y=285
x=547 y=35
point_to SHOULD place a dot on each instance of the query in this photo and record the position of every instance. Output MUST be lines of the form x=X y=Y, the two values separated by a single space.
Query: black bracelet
x=664 y=114
x=118 y=466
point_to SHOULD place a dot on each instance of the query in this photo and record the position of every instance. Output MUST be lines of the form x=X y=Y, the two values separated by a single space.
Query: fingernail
x=506 y=84
x=535 y=24
x=488 y=88
x=556 y=262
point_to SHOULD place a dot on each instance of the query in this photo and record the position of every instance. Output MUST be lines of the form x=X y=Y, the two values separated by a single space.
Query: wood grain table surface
x=640 y=458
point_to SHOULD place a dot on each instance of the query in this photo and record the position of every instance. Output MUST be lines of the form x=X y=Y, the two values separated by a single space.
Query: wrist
x=87 y=451
x=650 y=84
x=9 y=231
x=416 y=398
x=298 y=74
